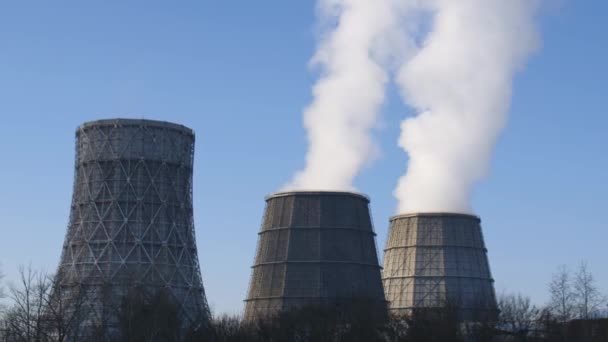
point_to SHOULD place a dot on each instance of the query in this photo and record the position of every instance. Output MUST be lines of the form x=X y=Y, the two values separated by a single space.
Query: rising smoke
x=349 y=93
x=460 y=84
x=458 y=79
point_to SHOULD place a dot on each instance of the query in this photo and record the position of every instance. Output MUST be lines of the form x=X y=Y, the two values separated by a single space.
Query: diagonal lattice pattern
x=434 y=260
x=131 y=221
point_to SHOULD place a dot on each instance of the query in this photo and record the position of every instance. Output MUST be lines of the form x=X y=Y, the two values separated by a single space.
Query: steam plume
x=460 y=84
x=349 y=93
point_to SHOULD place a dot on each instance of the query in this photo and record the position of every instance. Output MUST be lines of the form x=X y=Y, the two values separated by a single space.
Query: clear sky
x=236 y=72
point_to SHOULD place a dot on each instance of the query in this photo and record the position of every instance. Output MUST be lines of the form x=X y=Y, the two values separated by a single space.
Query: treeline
x=35 y=312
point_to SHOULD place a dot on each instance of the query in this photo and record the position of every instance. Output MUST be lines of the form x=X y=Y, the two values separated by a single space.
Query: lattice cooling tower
x=314 y=248
x=435 y=260
x=131 y=220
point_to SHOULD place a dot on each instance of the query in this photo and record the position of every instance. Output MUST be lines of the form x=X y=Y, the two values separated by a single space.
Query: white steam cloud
x=458 y=78
x=460 y=83
x=349 y=93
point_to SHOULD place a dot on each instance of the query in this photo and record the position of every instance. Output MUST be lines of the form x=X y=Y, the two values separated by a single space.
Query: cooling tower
x=314 y=248
x=436 y=260
x=131 y=224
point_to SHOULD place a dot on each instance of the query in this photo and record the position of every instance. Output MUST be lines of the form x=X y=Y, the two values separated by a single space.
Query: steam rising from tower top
x=348 y=95
x=460 y=83
x=457 y=77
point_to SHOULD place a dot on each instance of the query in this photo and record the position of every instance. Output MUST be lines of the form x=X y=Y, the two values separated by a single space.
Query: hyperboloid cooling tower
x=435 y=260
x=131 y=224
x=314 y=248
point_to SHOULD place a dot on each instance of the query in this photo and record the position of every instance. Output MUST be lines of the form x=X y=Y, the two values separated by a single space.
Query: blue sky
x=236 y=72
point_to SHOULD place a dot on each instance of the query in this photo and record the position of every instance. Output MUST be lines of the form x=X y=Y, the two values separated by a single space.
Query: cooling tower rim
x=123 y=122
x=434 y=214
x=317 y=193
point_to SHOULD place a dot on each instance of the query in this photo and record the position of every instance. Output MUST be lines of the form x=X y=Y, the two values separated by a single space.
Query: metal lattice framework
x=131 y=220
x=314 y=248
x=438 y=259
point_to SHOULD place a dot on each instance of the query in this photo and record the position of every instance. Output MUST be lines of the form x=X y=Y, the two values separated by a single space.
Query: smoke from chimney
x=459 y=82
x=348 y=94
x=458 y=78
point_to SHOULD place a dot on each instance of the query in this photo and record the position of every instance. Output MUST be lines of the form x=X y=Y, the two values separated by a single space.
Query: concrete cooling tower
x=131 y=223
x=435 y=260
x=314 y=248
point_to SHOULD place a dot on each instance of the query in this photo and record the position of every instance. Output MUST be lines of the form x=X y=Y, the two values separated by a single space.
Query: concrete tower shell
x=314 y=248
x=434 y=260
x=131 y=221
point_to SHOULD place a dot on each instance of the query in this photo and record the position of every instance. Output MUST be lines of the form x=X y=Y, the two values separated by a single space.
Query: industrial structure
x=435 y=260
x=131 y=221
x=314 y=248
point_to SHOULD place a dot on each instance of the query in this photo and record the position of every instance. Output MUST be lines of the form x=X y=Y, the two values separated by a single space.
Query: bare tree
x=518 y=315
x=562 y=303
x=42 y=311
x=65 y=311
x=148 y=316
x=587 y=296
x=24 y=318
x=2 y=294
x=2 y=313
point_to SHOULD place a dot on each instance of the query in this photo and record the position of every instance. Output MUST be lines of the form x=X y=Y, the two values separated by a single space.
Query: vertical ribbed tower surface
x=434 y=260
x=131 y=221
x=314 y=248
